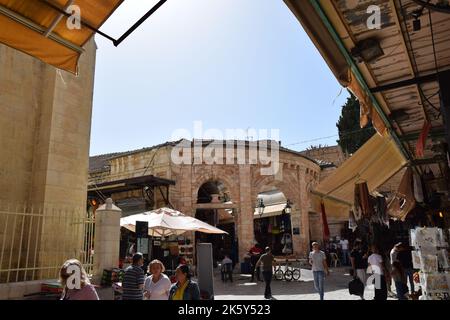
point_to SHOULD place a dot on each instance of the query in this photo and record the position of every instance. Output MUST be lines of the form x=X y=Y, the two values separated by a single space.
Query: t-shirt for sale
x=360 y=262
x=316 y=258
x=344 y=244
x=160 y=289
x=376 y=263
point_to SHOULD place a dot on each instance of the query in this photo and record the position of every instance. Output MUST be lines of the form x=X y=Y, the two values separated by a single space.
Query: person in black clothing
x=404 y=256
x=359 y=263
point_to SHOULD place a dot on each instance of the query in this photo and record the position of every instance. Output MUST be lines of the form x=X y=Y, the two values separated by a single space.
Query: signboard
x=141 y=229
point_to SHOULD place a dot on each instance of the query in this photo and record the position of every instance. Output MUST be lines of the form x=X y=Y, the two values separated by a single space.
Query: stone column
x=107 y=238
x=245 y=215
x=304 y=210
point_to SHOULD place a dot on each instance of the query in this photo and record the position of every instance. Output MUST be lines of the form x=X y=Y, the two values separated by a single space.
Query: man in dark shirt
x=359 y=262
x=133 y=279
x=267 y=261
x=404 y=256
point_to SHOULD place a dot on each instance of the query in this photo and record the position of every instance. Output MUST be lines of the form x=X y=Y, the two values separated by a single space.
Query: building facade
x=230 y=190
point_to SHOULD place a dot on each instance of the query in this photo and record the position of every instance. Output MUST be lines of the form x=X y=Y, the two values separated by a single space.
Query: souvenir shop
x=274 y=231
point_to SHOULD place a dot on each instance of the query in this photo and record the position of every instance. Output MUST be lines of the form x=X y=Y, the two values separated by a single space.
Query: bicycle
x=291 y=273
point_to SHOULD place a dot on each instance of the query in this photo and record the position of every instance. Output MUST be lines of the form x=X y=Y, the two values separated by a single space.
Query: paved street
x=336 y=288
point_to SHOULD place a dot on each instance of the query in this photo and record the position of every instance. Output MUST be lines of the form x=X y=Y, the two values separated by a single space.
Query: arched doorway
x=215 y=207
x=272 y=224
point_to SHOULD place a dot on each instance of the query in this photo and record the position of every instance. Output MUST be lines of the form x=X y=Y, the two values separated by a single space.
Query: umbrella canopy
x=164 y=222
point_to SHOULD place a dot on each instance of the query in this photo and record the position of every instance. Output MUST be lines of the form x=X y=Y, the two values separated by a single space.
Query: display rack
x=431 y=258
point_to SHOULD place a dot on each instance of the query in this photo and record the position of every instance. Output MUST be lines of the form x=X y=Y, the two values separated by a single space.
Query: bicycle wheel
x=288 y=274
x=279 y=274
x=296 y=274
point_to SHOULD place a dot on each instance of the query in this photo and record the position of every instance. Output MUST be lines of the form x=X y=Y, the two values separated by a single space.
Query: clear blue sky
x=228 y=63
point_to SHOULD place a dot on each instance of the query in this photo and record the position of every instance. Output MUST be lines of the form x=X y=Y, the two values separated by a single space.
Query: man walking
x=133 y=279
x=267 y=260
x=344 y=247
x=318 y=261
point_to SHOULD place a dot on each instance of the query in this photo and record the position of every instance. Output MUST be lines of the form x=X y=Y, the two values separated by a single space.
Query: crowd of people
x=135 y=285
x=381 y=268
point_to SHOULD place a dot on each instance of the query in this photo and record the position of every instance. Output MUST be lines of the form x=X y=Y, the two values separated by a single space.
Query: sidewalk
x=336 y=288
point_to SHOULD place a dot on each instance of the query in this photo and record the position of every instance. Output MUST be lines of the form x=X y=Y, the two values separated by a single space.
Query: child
x=227 y=269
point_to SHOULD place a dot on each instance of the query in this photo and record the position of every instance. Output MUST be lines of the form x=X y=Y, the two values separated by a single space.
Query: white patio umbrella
x=164 y=222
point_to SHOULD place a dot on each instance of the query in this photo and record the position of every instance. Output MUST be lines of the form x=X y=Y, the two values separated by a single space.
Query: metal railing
x=35 y=242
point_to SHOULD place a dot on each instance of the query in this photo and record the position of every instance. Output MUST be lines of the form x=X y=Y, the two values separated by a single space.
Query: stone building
x=228 y=188
x=45 y=121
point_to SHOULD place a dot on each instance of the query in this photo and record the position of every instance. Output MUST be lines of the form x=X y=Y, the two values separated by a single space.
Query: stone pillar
x=245 y=215
x=304 y=211
x=107 y=238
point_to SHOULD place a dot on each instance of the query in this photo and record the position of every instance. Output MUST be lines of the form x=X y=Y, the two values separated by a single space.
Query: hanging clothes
x=326 y=230
x=418 y=191
x=403 y=200
x=421 y=142
x=363 y=205
x=381 y=210
x=352 y=221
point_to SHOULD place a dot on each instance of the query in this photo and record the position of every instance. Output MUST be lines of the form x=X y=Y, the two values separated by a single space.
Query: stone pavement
x=336 y=288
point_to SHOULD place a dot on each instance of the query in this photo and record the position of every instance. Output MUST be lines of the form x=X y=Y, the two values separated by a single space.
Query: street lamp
x=261 y=207
x=288 y=208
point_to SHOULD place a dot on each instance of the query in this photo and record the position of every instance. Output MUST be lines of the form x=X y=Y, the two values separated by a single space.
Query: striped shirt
x=133 y=277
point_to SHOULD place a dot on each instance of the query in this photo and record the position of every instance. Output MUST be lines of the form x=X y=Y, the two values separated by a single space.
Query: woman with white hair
x=75 y=282
x=157 y=285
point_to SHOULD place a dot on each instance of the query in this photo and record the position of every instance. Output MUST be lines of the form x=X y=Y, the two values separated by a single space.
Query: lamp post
x=288 y=208
x=260 y=207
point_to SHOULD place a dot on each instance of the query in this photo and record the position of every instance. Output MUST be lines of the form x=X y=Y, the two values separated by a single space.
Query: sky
x=218 y=64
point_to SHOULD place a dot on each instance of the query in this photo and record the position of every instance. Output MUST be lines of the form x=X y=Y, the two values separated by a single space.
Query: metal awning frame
x=127 y=33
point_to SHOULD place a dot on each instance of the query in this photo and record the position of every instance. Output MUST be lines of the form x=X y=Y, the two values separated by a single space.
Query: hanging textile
x=403 y=200
x=326 y=230
x=381 y=210
x=418 y=191
x=367 y=111
x=421 y=142
x=362 y=205
x=352 y=222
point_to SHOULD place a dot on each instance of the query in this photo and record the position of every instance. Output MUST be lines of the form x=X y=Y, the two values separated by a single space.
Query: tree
x=351 y=136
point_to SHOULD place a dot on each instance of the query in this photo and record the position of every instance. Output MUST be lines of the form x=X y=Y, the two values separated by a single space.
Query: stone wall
x=45 y=121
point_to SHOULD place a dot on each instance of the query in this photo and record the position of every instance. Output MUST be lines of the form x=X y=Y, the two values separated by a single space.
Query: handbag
x=356 y=287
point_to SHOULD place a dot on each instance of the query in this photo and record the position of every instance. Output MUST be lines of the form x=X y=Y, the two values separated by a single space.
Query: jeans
x=401 y=289
x=345 y=258
x=319 y=277
x=267 y=278
x=409 y=275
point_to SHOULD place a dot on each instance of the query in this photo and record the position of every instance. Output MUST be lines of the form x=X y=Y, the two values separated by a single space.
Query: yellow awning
x=24 y=23
x=375 y=162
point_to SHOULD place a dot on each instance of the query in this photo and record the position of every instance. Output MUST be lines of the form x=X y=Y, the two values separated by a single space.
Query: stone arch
x=231 y=187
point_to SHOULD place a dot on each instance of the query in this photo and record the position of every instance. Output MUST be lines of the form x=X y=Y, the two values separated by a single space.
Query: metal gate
x=35 y=242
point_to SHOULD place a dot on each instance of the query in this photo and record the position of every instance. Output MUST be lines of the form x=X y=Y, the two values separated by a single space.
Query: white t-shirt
x=316 y=260
x=158 y=290
x=376 y=262
x=344 y=244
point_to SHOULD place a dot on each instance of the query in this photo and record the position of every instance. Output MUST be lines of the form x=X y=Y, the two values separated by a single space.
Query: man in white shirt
x=318 y=261
x=345 y=253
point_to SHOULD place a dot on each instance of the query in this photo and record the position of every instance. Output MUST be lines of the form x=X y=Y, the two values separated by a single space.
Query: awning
x=375 y=162
x=38 y=29
x=270 y=211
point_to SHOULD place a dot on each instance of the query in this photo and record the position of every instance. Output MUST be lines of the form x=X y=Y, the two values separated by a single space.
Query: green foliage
x=351 y=136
